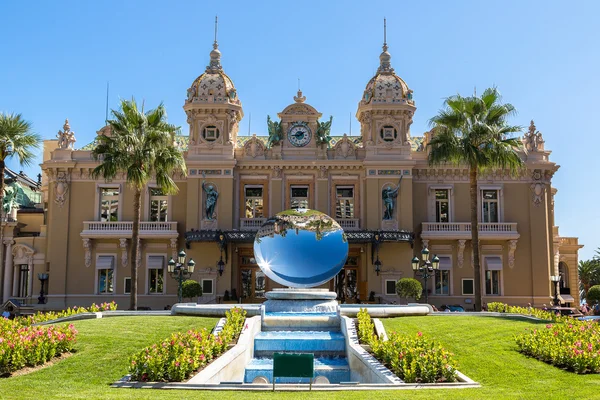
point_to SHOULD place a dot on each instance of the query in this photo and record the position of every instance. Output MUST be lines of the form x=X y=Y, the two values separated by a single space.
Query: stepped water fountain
x=300 y=249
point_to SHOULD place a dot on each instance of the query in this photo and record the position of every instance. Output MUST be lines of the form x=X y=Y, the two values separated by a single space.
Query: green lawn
x=484 y=348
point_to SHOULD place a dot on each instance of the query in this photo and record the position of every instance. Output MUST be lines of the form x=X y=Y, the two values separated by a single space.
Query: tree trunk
x=2 y=226
x=135 y=248
x=475 y=238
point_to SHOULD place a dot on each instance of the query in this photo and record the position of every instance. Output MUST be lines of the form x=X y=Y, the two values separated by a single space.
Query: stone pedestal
x=300 y=309
x=389 y=225
x=208 y=224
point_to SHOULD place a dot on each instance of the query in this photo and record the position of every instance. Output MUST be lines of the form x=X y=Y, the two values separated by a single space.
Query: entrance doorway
x=345 y=284
x=252 y=280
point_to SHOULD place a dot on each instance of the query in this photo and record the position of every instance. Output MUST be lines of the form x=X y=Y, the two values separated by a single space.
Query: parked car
x=452 y=308
x=595 y=318
x=566 y=311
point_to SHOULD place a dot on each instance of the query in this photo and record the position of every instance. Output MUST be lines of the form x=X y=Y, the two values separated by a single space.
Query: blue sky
x=542 y=55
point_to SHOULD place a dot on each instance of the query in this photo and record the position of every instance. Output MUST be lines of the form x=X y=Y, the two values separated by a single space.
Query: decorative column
x=30 y=268
x=87 y=245
x=174 y=249
x=123 y=246
x=512 y=247
x=461 y=252
x=8 y=270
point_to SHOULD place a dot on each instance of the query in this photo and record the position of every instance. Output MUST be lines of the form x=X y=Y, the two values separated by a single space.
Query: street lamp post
x=43 y=277
x=555 y=279
x=180 y=271
x=426 y=269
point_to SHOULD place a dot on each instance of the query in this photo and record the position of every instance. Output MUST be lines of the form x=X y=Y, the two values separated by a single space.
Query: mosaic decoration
x=182 y=142
x=389 y=172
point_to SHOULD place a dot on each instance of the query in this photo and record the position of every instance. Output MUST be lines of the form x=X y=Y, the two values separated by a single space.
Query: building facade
x=377 y=185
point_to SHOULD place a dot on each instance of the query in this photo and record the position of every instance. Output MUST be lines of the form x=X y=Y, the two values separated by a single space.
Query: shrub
x=28 y=346
x=573 y=345
x=409 y=287
x=535 y=312
x=412 y=359
x=191 y=288
x=593 y=295
x=52 y=315
x=178 y=356
x=366 y=327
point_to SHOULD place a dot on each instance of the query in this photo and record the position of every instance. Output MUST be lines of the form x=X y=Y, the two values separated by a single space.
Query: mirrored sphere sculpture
x=301 y=248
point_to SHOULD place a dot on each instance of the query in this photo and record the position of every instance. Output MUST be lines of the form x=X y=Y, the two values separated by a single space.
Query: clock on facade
x=299 y=134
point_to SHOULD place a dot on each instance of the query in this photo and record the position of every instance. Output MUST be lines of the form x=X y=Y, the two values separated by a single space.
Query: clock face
x=299 y=134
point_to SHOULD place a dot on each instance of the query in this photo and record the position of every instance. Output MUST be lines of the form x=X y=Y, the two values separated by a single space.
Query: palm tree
x=474 y=131
x=16 y=140
x=589 y=275
x=141 y=146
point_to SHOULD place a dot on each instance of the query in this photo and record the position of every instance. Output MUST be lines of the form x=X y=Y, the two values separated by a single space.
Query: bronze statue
x=323 y=131
x=388 y=195
x=211 y=198
x=275 y=132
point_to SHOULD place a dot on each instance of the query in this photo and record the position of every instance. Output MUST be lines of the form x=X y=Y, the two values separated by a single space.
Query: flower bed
x=28 y=346
x=535 y=312
x=181 y=354
x=572 y=345
x=412 y=358
x=52 y=315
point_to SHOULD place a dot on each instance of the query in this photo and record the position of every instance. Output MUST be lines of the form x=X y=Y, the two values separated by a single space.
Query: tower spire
x=385 y=65
x=215 y=54
x=215 y=45
x=384 y=35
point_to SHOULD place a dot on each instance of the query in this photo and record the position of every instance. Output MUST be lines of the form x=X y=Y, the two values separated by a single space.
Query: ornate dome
x=386 y=86
x=213 y=86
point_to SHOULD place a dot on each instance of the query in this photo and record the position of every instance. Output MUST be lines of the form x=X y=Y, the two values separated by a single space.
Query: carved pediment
x=300 y=109
x=254 y=148
x=345 y=148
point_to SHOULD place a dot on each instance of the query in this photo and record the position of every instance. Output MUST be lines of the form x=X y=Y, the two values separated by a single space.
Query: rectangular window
x=159 y=205
x=489 y=203
x=24 y=280
x=442 y=282
x=127 y=285
x=156 y=274
x=390 y=287
x=299 y=198
x=207 y=286
x=492 y=282
x=442 y=206
x=253 y=201
x=468 y=287
x=105 y=267
x=344 y=207
x=109 y=204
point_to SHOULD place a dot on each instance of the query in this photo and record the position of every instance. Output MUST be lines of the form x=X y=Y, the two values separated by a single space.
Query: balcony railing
x=251 y=224
x=349 y=224
x=462 y=230
x=123 y=229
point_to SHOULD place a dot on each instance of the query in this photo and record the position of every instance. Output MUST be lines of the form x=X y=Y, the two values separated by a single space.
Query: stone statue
x=323 y=131
x=533 y=139
x=191 y=93
x=275 y=132
x=388 y=195
x=9 y=201
x=211 y=198
x=66 y=137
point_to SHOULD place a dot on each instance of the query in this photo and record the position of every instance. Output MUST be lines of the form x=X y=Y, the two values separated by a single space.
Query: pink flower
x=419 y=334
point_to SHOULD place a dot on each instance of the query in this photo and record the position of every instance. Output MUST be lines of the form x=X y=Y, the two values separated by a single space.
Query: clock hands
x=298 y=134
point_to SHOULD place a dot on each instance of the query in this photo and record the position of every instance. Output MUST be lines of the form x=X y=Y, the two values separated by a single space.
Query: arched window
x=563 y=271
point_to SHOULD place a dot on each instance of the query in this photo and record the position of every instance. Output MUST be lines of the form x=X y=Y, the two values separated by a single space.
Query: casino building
x=378 y=186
